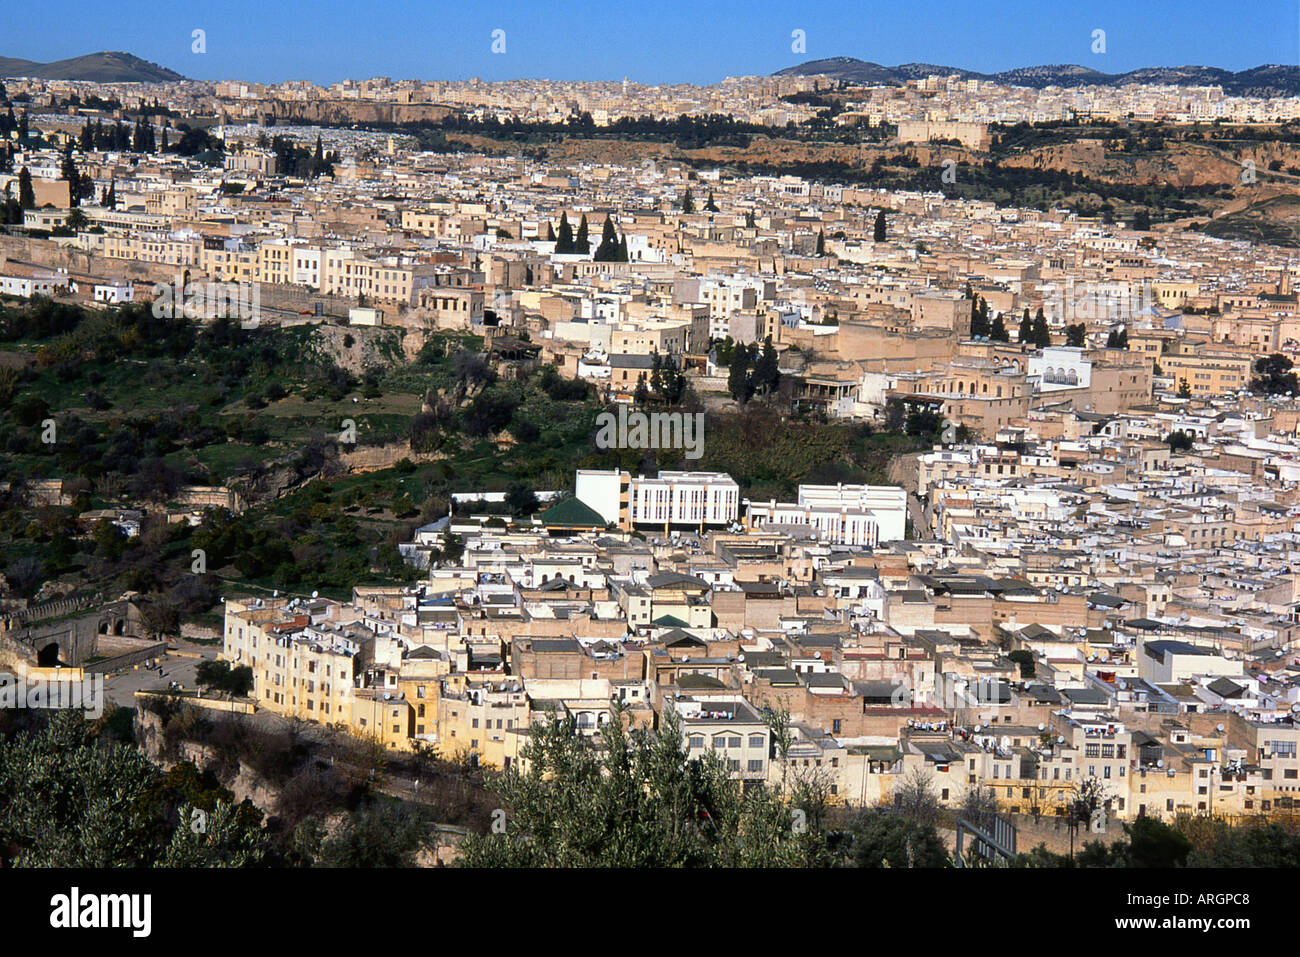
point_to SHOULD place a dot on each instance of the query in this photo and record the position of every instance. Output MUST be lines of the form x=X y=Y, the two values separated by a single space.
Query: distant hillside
x=106 y=67
x=1261 y=81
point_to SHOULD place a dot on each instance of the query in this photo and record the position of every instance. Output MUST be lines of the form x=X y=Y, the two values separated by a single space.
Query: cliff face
x=337 y=111
x=1182 y=164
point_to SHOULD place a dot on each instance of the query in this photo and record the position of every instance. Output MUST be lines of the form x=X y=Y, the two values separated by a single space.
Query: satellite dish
x=1219 y=727
x=1160 y=763
x=315 y=594
x=977 y=728
x=1060 y=739
x=1005 y=742
x=276 y=593
x=1041 y=726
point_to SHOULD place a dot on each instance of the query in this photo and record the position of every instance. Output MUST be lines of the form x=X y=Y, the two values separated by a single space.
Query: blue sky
x=656 y=41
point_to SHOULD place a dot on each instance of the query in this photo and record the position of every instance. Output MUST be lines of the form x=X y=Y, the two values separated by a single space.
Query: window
x=755 y=766
x=697 y=741
x=756 y=741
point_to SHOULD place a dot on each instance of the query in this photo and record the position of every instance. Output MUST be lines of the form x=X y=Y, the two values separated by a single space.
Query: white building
x=1060 y=367
x=683 y=499
x=887 y=504
x=837 y=526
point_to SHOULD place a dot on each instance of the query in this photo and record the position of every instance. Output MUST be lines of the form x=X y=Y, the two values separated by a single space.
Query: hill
x=1261 y=81
x=105 y=67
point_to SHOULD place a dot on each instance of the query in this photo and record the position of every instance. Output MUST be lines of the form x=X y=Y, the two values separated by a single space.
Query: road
x=120 y=688
x=920 y=527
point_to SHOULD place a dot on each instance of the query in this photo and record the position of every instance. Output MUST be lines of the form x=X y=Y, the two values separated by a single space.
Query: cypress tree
x=26 y=196
x=879 y=234
x=1042 y=335
x=607 y=251
x=564 y=244
x=1026 y=327
x=582 y=244
x=738 y=381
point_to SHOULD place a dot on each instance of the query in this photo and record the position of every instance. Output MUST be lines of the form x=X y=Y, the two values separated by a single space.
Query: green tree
x=1153 y=843
x=821 y=242
x=640 y=800
x=1026 y=327
x=1042 y=336
x=564 y=242
x=886 y=838
x=26 y=195
x=688 y=202
x=739 y=382
x=607 y=251
x=1274 y=376
x=377 y=834
x=998 y=332
x=521 y=500
x=767 y=372
x=878 y=234
x=582 y=244
x=979 y=318
x=220 y=837
x=1076 y=335
x=68 y=799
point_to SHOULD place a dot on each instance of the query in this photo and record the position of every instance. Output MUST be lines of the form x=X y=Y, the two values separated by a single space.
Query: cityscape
x=839 y=465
